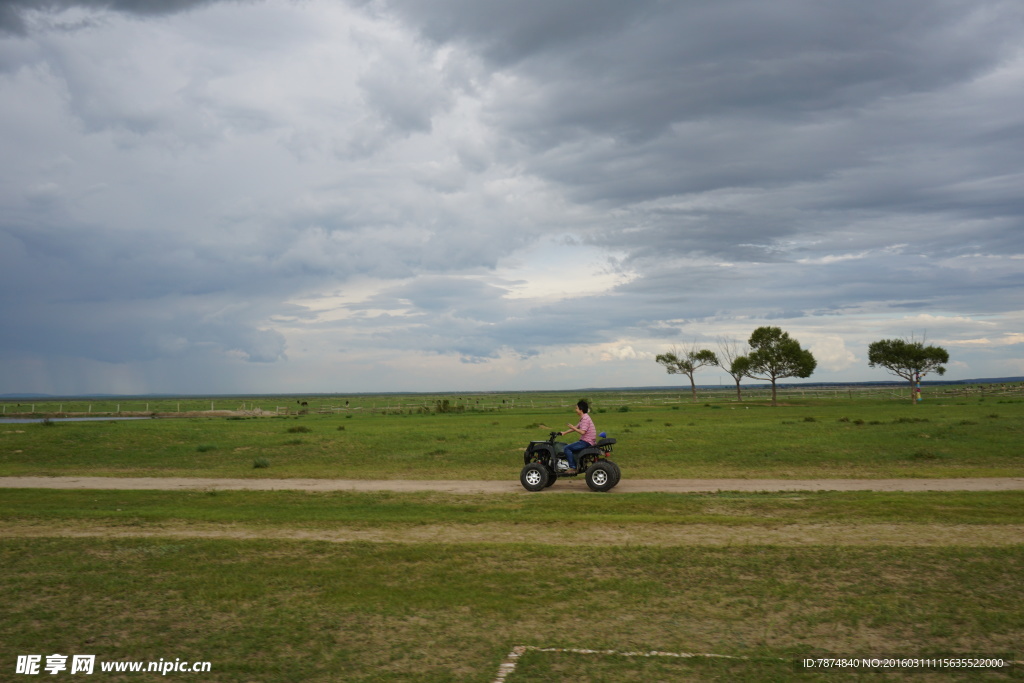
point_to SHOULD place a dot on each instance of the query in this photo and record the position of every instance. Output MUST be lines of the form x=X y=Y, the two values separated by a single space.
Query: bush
x=923 y=454
x=301 y=429
x=260 y=463
x=204 y=447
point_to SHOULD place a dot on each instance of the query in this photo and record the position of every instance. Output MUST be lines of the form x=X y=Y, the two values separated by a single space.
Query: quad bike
x=544 y=463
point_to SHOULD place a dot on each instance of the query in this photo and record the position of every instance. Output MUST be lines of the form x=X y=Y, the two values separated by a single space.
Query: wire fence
x=485 y=402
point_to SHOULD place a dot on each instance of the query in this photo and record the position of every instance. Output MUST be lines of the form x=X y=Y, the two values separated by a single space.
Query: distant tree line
x=771 y=355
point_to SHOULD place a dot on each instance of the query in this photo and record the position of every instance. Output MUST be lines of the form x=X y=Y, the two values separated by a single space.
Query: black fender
x=540 y=451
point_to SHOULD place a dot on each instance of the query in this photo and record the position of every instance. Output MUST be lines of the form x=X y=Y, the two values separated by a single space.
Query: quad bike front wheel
x=601 y=476
x=534 y=477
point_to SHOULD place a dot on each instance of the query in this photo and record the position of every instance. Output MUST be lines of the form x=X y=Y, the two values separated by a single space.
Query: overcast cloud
x=232 y=196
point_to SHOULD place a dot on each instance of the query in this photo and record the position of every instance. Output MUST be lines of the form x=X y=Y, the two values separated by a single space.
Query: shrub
x=204 y=447
x=260 y=463
x=923 y=455
x=301 y=429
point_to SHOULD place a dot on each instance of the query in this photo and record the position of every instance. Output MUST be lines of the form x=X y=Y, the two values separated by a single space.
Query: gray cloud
x=12 y=12
x=476 y=194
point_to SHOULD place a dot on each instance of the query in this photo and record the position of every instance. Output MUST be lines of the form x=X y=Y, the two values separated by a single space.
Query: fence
x=470 y=403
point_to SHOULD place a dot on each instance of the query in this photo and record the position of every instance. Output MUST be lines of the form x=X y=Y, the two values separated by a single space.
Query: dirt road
x=512 y=485
x=566 y=534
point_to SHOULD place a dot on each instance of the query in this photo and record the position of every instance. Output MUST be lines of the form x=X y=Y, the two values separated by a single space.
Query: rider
x=588 y=435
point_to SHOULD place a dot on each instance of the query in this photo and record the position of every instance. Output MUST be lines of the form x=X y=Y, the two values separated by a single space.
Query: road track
x=512 y=485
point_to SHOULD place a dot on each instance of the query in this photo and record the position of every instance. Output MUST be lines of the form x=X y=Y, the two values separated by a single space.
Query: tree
x=908 y=359
x=679 y=362
x=733 y=360
x=774 y=355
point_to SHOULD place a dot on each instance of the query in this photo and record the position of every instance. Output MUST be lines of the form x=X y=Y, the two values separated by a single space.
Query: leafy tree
x=908 y=359
x=679 y=362
x=774 y=355
x=733 y=360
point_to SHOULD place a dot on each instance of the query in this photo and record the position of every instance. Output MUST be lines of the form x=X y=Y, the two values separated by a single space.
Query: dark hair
x=582 y=405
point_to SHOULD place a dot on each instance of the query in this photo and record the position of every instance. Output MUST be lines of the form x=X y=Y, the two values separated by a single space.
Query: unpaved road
x=569 y=533
x=512 y=485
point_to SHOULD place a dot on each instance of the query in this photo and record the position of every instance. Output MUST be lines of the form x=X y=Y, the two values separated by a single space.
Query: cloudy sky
x=299 y=196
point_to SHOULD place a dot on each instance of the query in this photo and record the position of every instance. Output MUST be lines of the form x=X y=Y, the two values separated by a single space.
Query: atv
x=545 y=462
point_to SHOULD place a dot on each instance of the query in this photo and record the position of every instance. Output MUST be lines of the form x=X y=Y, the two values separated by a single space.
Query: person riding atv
x=544 y=462
x=588 y=435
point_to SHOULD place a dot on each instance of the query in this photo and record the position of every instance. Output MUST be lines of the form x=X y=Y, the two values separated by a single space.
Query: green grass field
x=285 y=586
x=821 y=438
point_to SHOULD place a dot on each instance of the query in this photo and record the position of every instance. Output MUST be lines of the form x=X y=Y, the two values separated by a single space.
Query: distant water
x=31 y=420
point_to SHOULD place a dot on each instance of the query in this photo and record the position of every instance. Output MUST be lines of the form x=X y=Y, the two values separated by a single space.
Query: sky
x=306 y=196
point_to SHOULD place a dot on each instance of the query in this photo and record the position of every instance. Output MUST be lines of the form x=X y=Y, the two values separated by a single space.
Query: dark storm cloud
x=510 y=32
x=838 y=107
x=633 y=68
x=12 y=11
x=123 y=298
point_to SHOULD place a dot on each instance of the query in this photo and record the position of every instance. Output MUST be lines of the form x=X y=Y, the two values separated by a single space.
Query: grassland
x=820 y=438
x=311 y=611
x=247 y=581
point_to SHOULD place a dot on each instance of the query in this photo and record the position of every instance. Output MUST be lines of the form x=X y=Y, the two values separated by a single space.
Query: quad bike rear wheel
x=601 y=476
x=616 y=472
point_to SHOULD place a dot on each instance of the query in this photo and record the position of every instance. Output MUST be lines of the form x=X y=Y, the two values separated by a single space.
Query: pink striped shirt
x=586 y=426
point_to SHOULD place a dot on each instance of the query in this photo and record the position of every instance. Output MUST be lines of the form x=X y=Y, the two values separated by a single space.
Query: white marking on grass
x=509 y=665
